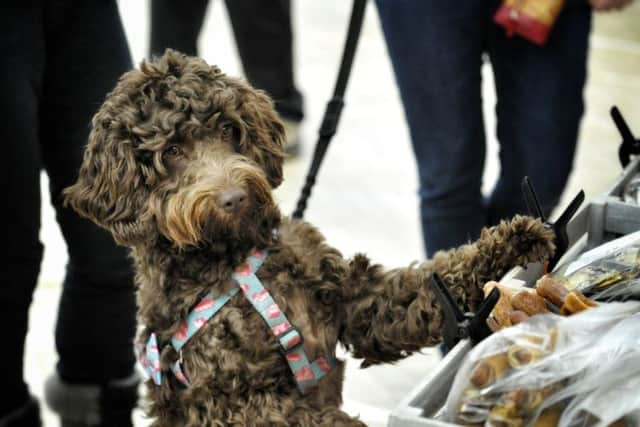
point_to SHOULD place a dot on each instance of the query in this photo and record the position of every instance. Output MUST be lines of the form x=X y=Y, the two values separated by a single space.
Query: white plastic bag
x=561 y=369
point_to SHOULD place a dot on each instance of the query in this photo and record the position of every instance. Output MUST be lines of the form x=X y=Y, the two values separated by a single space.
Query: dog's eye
x=326 y=297
x=227 y=131
x=172 y=151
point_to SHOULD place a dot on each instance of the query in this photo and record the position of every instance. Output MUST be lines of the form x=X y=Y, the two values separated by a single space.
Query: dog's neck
x=208 y=264
x=175 y=278
x=192 y=262
x=171 y=280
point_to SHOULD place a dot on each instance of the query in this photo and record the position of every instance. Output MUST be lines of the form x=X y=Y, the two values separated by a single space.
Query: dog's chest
x=238 y=343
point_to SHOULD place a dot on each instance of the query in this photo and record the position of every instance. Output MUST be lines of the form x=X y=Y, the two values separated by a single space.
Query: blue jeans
x=437 y=48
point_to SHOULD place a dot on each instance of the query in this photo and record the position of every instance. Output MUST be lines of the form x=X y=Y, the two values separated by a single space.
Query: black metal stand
x=458 y=325
x=630 y=145
x=560 y=226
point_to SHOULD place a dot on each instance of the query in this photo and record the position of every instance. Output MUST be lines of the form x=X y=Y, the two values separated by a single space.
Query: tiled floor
x=365 y=198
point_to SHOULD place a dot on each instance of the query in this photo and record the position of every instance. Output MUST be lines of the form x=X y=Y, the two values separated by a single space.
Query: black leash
x=334 y=107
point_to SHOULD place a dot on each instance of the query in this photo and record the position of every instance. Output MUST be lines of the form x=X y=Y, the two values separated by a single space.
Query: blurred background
x=365 y=199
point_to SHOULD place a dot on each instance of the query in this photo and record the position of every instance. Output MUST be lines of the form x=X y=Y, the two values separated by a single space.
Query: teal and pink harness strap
x=306 y=374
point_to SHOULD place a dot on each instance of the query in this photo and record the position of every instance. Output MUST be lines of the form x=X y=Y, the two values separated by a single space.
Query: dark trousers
x=437 y=49
x=58 y=60
x=263 y=34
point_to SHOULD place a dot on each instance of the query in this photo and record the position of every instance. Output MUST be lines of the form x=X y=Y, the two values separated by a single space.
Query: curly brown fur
x=168 y=141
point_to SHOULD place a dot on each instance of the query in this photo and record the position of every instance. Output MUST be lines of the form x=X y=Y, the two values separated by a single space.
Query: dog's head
x=180 y=150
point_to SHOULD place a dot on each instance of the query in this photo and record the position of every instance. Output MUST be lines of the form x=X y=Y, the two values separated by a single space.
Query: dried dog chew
x=576 y=302
x=489 y=370
x=552 y=291
x=525 y=400
x=513 y=308
x=549 y=417
x=473 y=410
x=502 y=311
x=568 y=302
x=517 y=407
x=529 y=302
x=517 y=316
x=519 y=355
x=493 y=367
x=506 y=415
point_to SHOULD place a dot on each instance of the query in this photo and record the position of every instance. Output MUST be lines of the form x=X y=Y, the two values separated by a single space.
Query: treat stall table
x=614 y=214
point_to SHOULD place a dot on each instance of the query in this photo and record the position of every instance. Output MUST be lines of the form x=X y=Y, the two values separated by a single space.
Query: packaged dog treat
x=622 y=291
x=597 y=270
x=517 y=305
x=554 y=370
x=567 y=302
x=514 y=306
x=531 y=19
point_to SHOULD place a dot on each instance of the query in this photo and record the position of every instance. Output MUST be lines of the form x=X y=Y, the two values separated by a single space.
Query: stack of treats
x=517 y=305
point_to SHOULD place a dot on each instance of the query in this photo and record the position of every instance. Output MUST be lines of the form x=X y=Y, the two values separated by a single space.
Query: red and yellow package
x=531 y=19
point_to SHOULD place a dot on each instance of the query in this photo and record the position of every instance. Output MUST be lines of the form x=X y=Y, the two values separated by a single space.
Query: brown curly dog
x=180 y=167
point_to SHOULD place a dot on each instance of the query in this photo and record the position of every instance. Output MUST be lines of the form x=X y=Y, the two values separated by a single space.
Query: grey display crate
x=423 y=406
x=606 y=216
x=602 y=219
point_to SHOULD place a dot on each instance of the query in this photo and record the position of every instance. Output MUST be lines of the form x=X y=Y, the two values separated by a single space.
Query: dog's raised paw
x=530 y=238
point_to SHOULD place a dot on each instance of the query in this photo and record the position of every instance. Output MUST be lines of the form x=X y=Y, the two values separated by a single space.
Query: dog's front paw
x=518 y=241
x=530 y=239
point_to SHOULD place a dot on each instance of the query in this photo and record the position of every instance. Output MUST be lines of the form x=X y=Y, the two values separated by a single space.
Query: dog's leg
x=389 y=314
x=328 y=417
x=337 y=418
x=516 y=242
x=292 y=412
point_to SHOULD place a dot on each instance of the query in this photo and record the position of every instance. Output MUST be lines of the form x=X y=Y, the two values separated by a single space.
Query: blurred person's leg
x=540 y=104
x=264 y=36
x=22 y=65
x=86 y=54
x=176 y=24
x=436 y=50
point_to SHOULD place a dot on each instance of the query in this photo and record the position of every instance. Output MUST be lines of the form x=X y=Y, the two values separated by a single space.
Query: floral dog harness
x=306 y=374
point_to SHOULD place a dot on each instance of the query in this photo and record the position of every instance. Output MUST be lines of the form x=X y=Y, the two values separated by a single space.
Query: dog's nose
x=232 y=199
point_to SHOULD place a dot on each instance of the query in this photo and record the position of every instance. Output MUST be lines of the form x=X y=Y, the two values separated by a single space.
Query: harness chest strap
x=306 y=374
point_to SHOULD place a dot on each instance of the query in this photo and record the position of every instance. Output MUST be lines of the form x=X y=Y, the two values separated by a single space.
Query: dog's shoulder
x=298 y=233
x=303 y=242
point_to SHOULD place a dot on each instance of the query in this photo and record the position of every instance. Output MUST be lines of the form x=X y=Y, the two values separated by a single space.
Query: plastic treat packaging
x=605 y=271
x=531 y=19
x=576 y=371
x=622 y=291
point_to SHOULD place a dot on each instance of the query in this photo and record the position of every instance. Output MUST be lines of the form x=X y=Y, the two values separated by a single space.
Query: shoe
x=87 y=405
x=292 y=133
x=28 y=415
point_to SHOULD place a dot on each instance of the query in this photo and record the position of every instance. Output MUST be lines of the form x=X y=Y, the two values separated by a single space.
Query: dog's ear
x=266 y=133
x=110 y=187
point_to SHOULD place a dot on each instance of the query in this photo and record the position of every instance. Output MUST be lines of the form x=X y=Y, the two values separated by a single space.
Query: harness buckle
x=287 y=345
